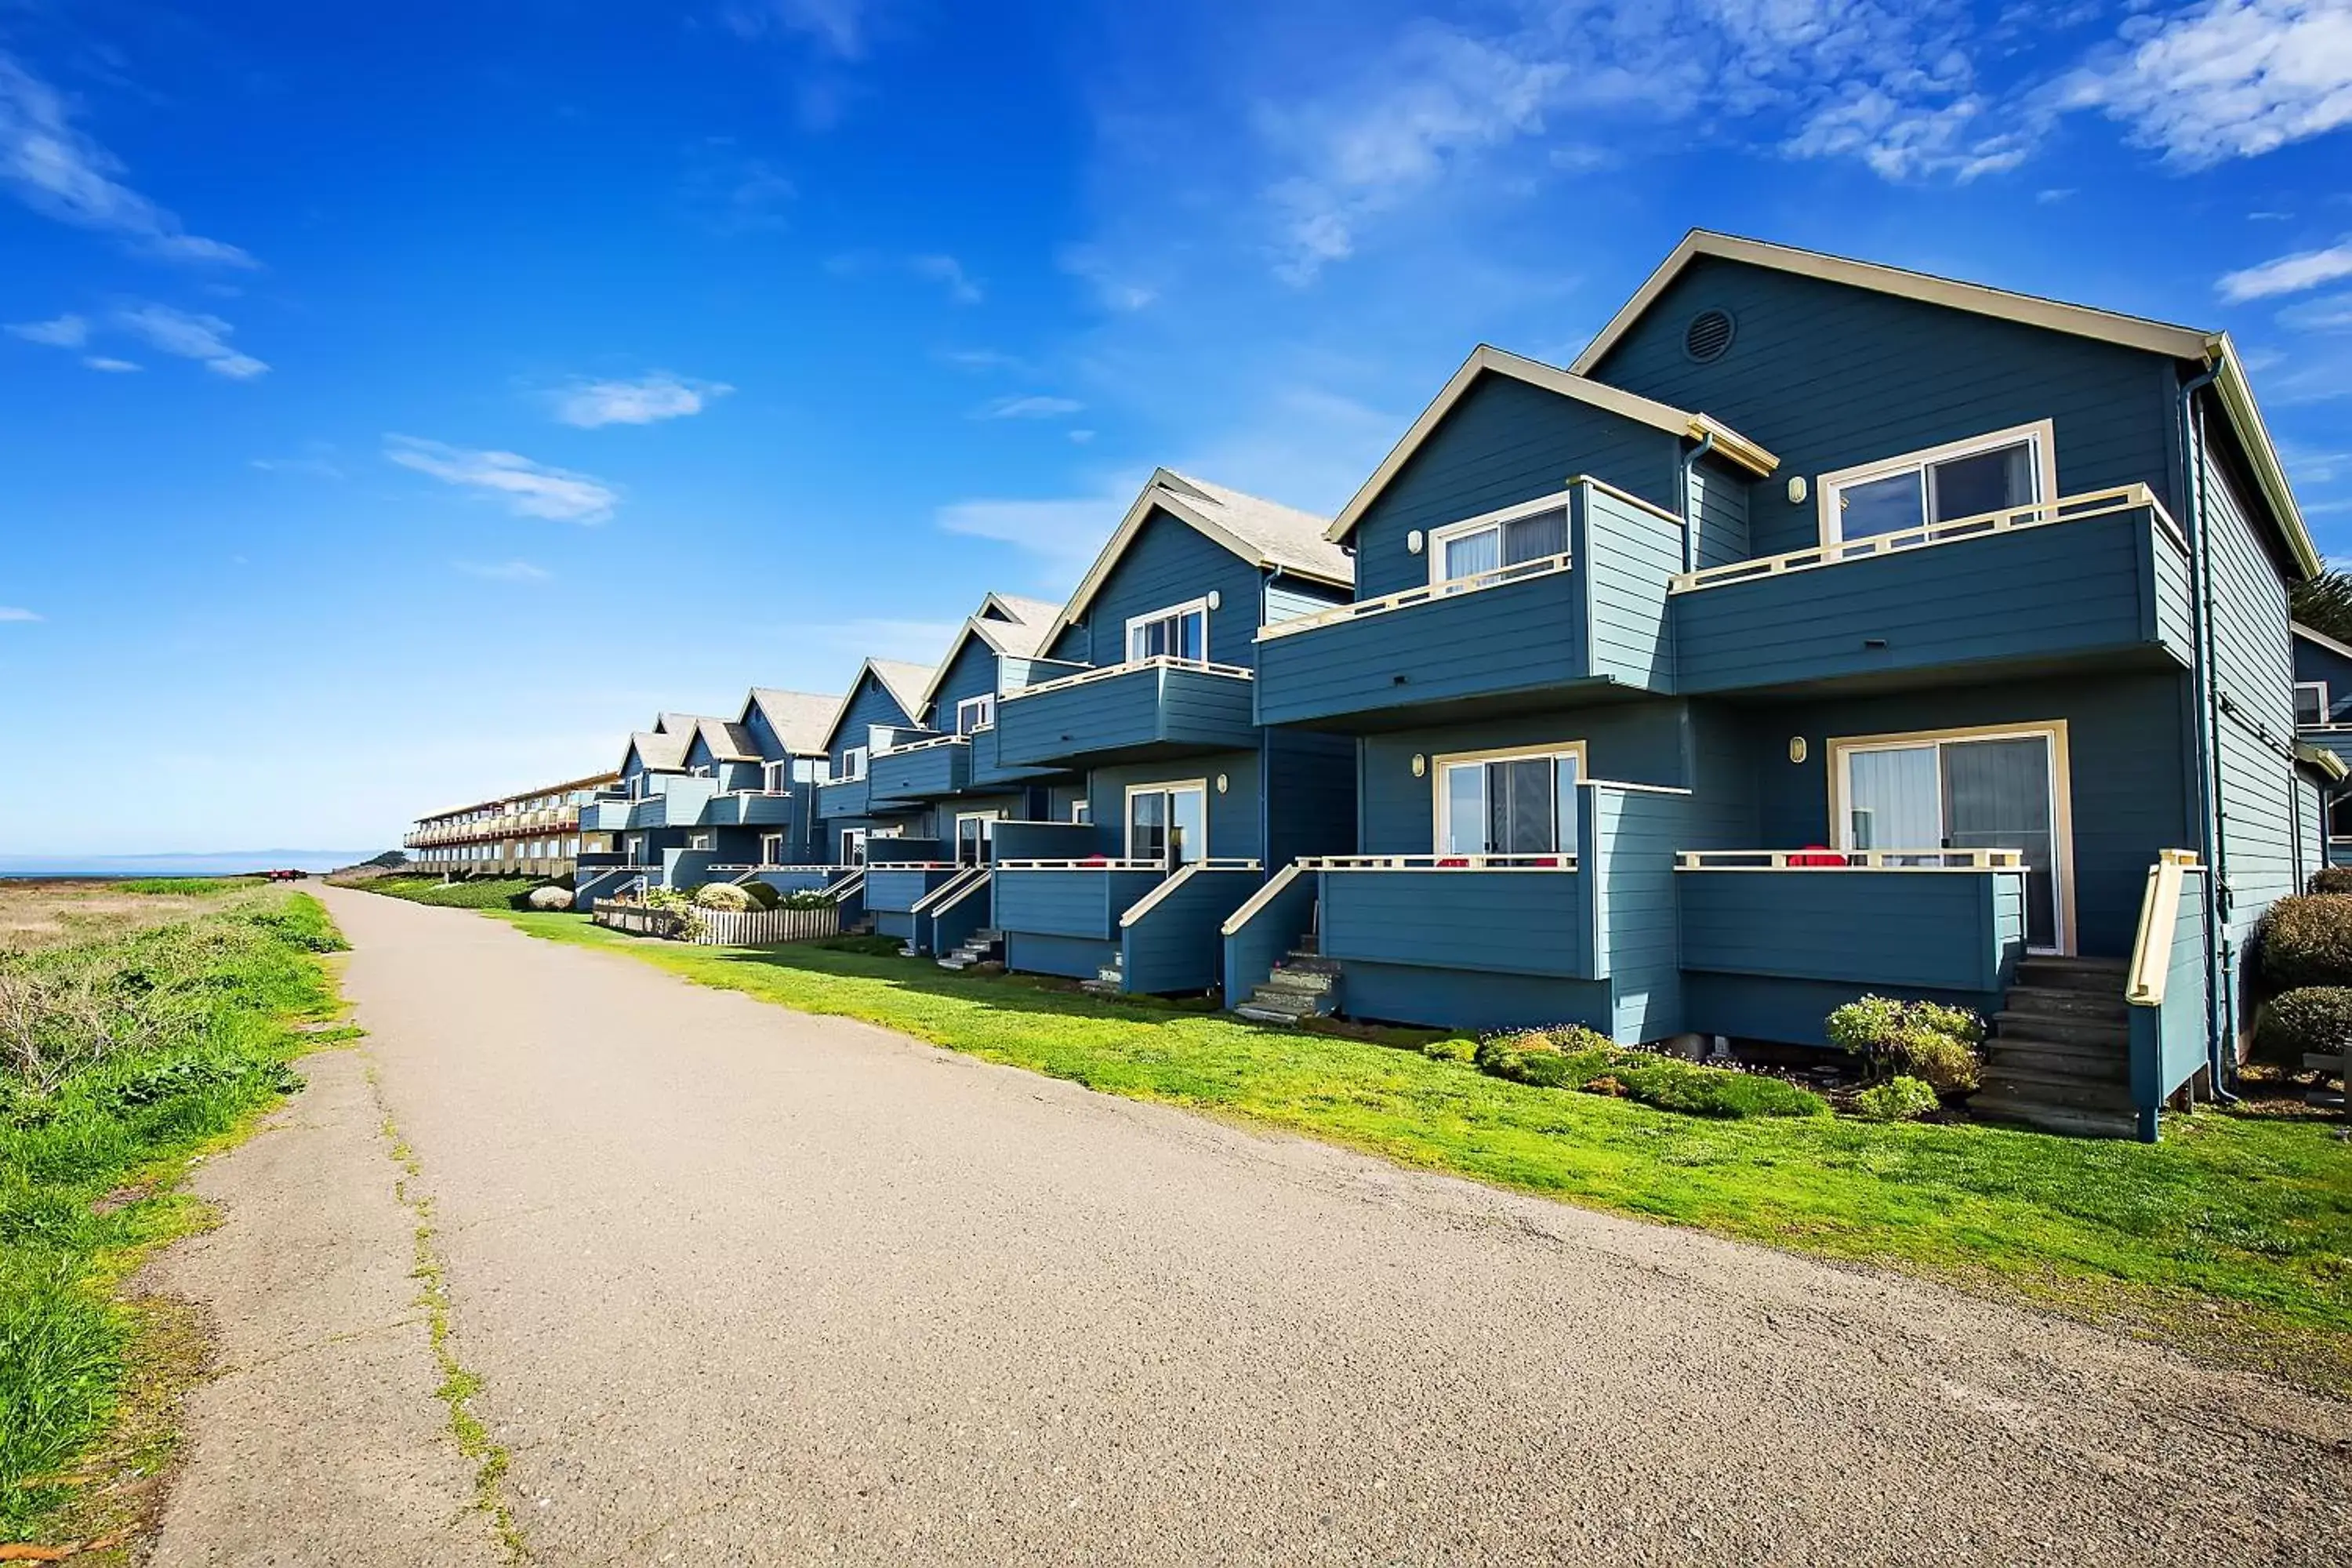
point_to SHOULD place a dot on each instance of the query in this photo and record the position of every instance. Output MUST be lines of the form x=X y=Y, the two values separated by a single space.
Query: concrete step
x=2100 y=1062
x=954 y=963
x=2039 y=1086
x=2072 y=973
x=989 y=935
x=1303 y=982
x=1110 y=974
x=2078 y=1121
x=2068 y=1002
x=1261 y=1014
x=2065 y=1029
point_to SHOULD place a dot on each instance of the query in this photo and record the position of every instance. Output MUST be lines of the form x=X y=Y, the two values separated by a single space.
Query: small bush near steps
x=1900 y=1099
x=1581 y=1058
x=2306 y=941
x=2317 y=1018
x=2331 y=880
x=1926 y=1041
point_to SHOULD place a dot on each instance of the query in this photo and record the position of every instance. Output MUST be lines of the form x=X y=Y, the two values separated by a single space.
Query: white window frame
x=634 y=849
x=776 y=778
x=986 y=705
x=1082 y=812
x=1439 y=538
x=988 y=819
x=772 y=846
x=1172 y=612
x=2042 y=434
x=2319 y=686
x=853 y=837
x=854 y=760
x=1441 y=806
x=1163 y=786
x=701 y=841
x=2062 y=797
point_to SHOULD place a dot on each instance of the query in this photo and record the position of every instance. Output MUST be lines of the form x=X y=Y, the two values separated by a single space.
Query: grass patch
x=181 y=887
x=123 y=1051
x=2231 y=1236
x=480 y=893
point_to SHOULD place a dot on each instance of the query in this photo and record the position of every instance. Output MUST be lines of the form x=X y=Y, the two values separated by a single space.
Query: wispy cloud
x=202 y=338
x=61 y=172
x=735 y=194
x=1033 y=407
x=1115 y=288
x=918 y=642
x=981 y=358
x=645 y=401
x=109 y=364
x=314 y=464
x=504 y=571
x=529 y=489
x=2228 y=78
x=2288 y=274
x=841 y=28
x=948 y=272
x=1065 y=532
x=66 y=331
x=17 y=613
x=2329 y=313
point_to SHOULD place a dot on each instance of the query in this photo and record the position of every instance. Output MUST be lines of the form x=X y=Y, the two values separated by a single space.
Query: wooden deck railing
x=1849 y=861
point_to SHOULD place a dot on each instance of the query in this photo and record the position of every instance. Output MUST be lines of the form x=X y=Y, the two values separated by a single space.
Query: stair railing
x=2160 y=914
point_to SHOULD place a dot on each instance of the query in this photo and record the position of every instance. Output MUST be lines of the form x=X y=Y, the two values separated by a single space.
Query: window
x=1965 y=479
x=1181 y=631
x=772 y=849
x=975 y=713
x=2339 y=817
x=637 y=851
x=853 y=765
x=700 y=841
x=776 y=778
x=1167 y=823
x=809 y=769
x=1522 y=803
x=2311 y=702
x=1537 y=530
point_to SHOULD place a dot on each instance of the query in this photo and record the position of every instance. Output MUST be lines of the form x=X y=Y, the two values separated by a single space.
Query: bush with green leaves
x=1930 y=1040
x=1574 y=1056
x=726 y=897
x=808 y=898
x=1900 y=1099
x=2316 y=1019
x=2306 y=941
x=1452 y=1050
x=2331 y=880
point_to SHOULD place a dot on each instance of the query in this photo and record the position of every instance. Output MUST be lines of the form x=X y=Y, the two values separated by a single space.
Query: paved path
x=750 y=1287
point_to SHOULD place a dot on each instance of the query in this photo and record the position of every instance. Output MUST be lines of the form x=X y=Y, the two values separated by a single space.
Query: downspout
x=1690 y=522
x=2212 y=841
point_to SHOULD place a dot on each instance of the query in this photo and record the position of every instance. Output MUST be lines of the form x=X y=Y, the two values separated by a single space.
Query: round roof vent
x=1708 y=335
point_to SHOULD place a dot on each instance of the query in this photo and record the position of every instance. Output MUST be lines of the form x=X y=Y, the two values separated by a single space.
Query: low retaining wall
x=722 y=928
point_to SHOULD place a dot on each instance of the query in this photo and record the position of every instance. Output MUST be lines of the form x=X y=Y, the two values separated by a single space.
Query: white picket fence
x=722 y=928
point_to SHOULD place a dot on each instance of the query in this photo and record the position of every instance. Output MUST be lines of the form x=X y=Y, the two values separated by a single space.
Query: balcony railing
x=1154 y=707
x=1114 y=671
x=1849 y=859
x=1560 y=861
x=1451 y=587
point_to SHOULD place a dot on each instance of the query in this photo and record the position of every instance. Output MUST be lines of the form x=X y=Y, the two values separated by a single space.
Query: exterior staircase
x=1304 y=985
x=2060 y=1052
x=985 y=945
x=1110 y=980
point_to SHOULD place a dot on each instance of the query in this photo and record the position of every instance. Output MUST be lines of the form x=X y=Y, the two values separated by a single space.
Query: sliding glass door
x=1995 y=792
x=1507 y=805
x=1167 y=823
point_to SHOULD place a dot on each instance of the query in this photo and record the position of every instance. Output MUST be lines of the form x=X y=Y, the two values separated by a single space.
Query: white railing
x=1262 y=896
x=2040 y=514
x=951 y=891
x=2159 y=911
x=1849 y=861
x=1564 y=860
x=924 y=745
x=1112 y=672
x=854 y=881
x=1151 y=901
x=1108 y=863
x=1424 y=593
x=873 y=865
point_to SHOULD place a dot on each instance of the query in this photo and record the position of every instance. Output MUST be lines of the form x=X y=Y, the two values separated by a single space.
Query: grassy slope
x=2231 y=1233
x=223 y=987
x=482 y=893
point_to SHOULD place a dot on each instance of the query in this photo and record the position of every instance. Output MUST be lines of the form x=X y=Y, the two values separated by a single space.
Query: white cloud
x=2288 y=274
x=1081 y=436
x=1066 y=534
x=838 y=28
x=981 y=358
x=66 y=331
x=658 y=396
x=2329 y=313
x=1114 y=290
x=17 y=613
x=1032 y=407
x=191 y=336
x=316 y=465
x=947 y=271
x=918 y=642
x=107 y=362
x=2228 y=78
x=529 y=489
x=60 y=173
x=734 y=194
x=504 y=571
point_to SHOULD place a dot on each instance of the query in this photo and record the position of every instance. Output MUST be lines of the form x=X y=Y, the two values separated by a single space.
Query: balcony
x=1525 y=636
x=929 y=769
x=845 y=797
x=607 y=814
x=1122 y=712
x=1771 y=941
x=989 y=769
x=749 y=808
x=2097 y=576
x=1508 y=914
x=894 y=889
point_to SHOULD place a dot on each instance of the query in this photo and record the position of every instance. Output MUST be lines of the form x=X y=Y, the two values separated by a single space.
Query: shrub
x=2331 y=880
x=806 y=899
x=1927 y=1039
x=762 y=896
x=1900 y=1099
x=2308 y=940
x=2314 y=1018
x=1451 y=1050
x=724 y=895
x=1573 y=1056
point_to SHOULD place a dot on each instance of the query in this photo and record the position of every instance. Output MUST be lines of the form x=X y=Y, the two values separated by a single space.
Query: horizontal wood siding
x=924 y=774
x=751 y=810
x=1310 y=796
x=1166 y=563
x=1068 y=903
x=1236 y=822
x=897 y=892
x=1633 y=837
x=945 y=930
x=1274 y=928
x=1719 y=501
x=870 y=703
x=2066 y=589
x=1503 y=443
x=1072 y=958
x=1627 y=557
x=2253 y=673
x=1287 y=598
x=1146 y=708
x=988 y=766
x=1175 y=945
x=1527 y=636
x=1512 y=922
x=1633 y=743
x=1828 y=376
x=2168 y=1042
x=1957 y=930
x=1471 y=1000
x=2313 y=662
x=852 y=798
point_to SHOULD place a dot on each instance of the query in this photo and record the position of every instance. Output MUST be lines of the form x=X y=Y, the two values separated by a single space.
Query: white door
x=975 y=837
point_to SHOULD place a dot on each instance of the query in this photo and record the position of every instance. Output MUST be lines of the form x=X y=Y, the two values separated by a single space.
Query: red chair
x=1817 y=855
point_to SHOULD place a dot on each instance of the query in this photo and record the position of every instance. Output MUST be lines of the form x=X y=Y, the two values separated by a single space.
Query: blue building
x=1825 y=629
x=1177 y=799
x=2323 y=725
x=877 y=711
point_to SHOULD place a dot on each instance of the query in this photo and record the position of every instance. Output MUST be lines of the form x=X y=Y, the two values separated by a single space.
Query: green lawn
x=127 y=1044
x=480 y=893
x=2230 y=1236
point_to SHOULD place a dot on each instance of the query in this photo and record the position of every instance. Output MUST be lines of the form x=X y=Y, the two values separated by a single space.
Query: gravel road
x=750 y=1287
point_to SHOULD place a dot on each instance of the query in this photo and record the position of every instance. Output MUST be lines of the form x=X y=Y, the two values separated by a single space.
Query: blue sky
x=400 y=406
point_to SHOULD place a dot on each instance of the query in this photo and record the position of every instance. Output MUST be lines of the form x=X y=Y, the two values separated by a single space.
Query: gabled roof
x=800 y=719
x=675 y=723
x=905 y=682
x=727 y=742
x=1020 y=635
x=2213 y=349
x=1265 y=533
x=1487 y=360
x=663 y=751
